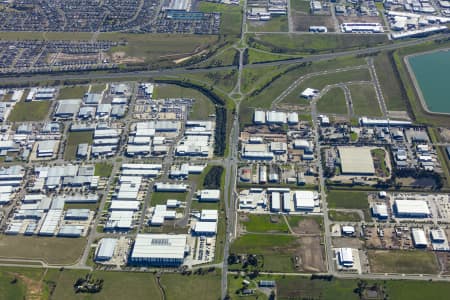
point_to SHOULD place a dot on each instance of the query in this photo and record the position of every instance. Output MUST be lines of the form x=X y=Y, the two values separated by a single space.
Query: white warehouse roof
x=418 y=235
x=412 y=207
x=162 y=246
x=260 y=117
x=345 y=256
x=205 y=227
x=209 y=195
x=304 y=200
x=106 y=249
x=356 y=160
x=208 y=215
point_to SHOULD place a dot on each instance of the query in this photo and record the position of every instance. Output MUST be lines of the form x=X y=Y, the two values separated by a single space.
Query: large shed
x=356 y=161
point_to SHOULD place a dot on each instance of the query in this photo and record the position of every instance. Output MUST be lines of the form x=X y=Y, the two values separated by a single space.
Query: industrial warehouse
x=356 y=160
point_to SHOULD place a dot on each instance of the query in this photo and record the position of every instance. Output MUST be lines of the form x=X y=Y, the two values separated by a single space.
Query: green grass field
x=300 y=5
x=73 y=139
x=277 y=250
x=390 y=83
x=97 y=88
x=11 y=287
x=161 y=197
x=261 y=244
x=404 y=262
x=265 y=223
x=294 y=220
x=277 y=24
x=340 y=216
x=72 y=92
x=116 y=285
x=364 y=100
x=199 y=287
x=51 y=249
x=347 y=199
x=417 y=290
x=231 y=16
x=29 y=111
x=313 y=43
x=332 y=102
x=292 y=286
x=103 y=169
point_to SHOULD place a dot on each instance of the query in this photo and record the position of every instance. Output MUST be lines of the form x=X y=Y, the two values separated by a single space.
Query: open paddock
x=52 y=250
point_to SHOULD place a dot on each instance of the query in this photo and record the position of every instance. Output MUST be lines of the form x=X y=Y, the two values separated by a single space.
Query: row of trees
x=220 y=136
x=212 y=178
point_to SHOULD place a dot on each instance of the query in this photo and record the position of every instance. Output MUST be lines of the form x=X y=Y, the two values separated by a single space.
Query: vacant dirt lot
x=349 y=242
x=307 y=226
x=310 y=255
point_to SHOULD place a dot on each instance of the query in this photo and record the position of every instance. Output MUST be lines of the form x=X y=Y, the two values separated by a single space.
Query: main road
x=176 y=71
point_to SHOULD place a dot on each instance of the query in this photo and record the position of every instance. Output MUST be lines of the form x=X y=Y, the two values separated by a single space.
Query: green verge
x=391 y=85
x=313 y=43
x=257 y=56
